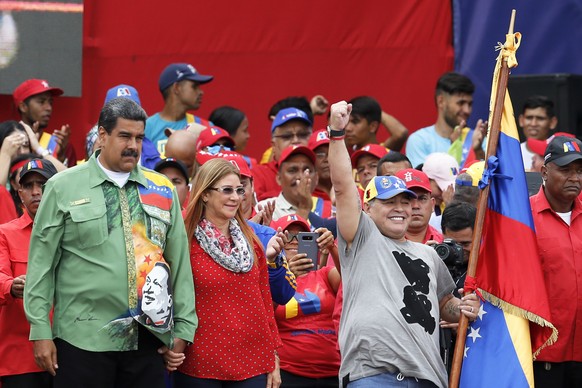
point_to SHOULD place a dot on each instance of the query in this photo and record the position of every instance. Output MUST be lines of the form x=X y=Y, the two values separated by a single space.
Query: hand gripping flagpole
x=494 y=130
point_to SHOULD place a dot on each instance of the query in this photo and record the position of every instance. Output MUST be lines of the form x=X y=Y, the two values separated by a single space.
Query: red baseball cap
x=204 y=156
x=414 y=178
x=32 y=87
x=288 y=220
x=539 y=146
x=370 y=149
x=317 y=139
x=212 y=135
x=296 y=150
x=240 y=163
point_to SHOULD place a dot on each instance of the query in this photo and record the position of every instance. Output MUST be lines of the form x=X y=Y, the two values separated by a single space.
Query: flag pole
x=495 y=129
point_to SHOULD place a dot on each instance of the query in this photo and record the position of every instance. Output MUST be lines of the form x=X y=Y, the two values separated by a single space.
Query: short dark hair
x=120 y=108
x=227 y=118
x=454 y=83
x=292 y=102
x=391 y=157
x=366 y=107
x=533 y=102
x=458 y=216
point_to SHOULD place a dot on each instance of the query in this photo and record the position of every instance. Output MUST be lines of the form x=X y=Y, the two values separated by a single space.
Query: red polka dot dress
x=237 y=335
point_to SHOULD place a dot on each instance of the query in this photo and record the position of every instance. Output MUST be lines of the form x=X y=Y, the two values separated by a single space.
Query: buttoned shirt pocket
x=90 y=224
x=158 y=222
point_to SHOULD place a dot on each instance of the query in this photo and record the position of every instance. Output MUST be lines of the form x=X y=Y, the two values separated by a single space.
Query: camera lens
x=443 y=251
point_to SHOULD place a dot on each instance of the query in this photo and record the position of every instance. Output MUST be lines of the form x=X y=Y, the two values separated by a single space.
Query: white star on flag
x=481 y=312
x=474 y=334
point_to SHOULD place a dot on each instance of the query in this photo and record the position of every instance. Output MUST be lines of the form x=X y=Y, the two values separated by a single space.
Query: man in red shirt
x=17 y=365
x=419 y=230
x=290 y=127
x=34 y=100
x=557 y=215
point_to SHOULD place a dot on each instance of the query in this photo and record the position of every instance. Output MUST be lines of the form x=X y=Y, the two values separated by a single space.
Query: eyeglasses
x=321 y=155
x=228 y=190
x=292 y=236
x=290 y=136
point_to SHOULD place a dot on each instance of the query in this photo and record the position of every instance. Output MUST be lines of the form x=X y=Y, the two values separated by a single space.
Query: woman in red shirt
x=309 y=357
x=236 y=339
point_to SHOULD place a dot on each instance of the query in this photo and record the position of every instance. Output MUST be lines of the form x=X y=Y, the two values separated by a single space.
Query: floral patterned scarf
x=235 y=257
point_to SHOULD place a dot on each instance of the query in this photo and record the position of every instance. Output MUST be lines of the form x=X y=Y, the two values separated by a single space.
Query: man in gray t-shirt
x=395 y=291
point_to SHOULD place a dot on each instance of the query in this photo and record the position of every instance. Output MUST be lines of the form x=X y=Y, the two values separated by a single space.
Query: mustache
x=133 y=153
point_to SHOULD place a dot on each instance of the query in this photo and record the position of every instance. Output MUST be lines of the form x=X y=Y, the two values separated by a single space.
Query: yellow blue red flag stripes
x=499 y=350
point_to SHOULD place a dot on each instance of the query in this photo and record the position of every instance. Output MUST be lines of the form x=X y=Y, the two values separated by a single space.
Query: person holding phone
x=309 y=356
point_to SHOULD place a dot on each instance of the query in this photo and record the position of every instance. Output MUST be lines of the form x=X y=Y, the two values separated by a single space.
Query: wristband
x=335 y=134
x=41 y=151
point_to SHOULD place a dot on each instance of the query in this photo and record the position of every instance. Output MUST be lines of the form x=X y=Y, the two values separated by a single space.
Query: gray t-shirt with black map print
x=390 y=315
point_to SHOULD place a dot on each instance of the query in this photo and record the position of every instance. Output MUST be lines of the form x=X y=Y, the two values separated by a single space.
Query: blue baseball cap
x=180 y=71
x=386 y=187
x=288 y=114
x=122 y=91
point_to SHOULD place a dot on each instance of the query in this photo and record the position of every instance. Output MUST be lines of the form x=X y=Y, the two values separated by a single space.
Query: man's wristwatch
x=335 y=134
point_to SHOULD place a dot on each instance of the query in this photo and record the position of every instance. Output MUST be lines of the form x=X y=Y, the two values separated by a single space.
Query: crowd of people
x=167 y=257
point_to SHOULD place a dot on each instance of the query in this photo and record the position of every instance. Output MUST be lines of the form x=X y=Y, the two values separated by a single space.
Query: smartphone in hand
x=308 y=245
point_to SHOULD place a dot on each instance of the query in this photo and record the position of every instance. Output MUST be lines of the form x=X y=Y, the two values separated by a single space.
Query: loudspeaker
x=565 y=90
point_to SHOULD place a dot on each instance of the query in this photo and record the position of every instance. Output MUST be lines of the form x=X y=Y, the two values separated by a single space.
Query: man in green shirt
x=106 y=236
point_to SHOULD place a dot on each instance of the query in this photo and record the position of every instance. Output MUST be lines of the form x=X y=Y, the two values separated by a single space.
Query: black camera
x=451 y=253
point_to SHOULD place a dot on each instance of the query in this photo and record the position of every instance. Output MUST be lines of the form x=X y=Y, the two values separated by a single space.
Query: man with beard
x=34 y=100
x=454 y=103
x=14 y=241
x=100 y=229
x=557 y=215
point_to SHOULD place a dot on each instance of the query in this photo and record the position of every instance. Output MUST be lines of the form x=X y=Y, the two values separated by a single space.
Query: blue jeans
x=390 y=380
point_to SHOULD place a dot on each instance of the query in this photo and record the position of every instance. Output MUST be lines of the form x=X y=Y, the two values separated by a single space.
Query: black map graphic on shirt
x=417 y=306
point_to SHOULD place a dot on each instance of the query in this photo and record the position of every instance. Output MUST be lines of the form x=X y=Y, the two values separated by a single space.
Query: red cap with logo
x=288 y=220
x=370 y=149
x=414 y=178
x=317 y=139
x=204 y=156
x=33 y=87
x=240 y=163
x=211 y=136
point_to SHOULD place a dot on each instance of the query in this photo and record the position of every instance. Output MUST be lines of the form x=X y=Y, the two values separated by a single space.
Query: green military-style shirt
x=109 y=259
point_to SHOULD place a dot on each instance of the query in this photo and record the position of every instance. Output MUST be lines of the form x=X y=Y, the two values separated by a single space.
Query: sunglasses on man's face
x=292 y=236
x=228 y=190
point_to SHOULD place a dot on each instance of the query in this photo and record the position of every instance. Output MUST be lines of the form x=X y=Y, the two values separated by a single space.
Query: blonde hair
x=208 y=174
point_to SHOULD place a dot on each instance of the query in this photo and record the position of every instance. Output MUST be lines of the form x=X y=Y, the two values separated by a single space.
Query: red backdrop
x=260 y=52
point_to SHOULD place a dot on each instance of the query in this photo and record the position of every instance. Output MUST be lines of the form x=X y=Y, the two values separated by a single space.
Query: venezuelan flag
x=499 y=350
x=158 y=192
